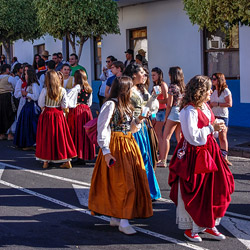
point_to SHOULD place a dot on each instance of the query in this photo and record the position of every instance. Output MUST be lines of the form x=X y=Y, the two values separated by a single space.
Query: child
x=80 y=100
x=54 y=142
x=119 y=185
x=201 y=182
x=26 y=128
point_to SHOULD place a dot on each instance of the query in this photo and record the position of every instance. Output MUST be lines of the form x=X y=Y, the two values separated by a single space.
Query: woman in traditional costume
x=54 y=142
x=80 y=100
x=139 y=99
x=119 y=185
x=26 y=128
x=201 y=182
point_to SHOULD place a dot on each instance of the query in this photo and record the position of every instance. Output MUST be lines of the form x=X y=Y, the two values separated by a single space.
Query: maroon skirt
x=77 y=118
x=53 y=141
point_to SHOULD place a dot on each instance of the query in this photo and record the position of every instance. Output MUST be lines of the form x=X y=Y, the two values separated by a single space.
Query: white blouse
x=73 y=94
x=220 y=111
x=33 y=92
x=152 y=103
x=189 y=120
x=103 y=126
x=64 y=101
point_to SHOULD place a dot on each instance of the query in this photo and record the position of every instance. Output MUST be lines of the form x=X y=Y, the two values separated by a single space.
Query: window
x=38 y=49
x=138 y=40
x=221 y=53
x=97 y=57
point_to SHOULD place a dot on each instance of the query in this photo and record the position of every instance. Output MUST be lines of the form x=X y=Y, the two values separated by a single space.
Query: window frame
x=205 y=57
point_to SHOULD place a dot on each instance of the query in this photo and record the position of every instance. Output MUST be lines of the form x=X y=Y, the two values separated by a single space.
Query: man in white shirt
x=106 y=73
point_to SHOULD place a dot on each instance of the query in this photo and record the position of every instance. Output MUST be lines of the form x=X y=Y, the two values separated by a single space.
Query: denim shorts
x=160 y=115
x=225 y=119
x=174 y=114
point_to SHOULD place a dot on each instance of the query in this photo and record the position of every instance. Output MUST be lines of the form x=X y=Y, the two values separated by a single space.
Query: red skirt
x=77 y=118
x=53 y=141
x=206 y=195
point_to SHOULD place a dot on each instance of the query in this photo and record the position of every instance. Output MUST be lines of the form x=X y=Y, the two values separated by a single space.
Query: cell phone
x=111 y=163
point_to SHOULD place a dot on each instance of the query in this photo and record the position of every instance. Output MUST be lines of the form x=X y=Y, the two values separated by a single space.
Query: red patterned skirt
x=53 y=141
x=77 y=118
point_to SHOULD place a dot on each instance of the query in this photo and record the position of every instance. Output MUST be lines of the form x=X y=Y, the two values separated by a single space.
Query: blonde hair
x=195 y=91
x=80 y=78
x=53 y=85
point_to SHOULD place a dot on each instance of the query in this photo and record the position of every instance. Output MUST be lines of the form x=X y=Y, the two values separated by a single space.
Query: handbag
x=91 y=130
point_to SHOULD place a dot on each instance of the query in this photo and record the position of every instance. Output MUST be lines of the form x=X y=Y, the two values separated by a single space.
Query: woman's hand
x=219 y=126
x=24 y=93
x=108 y=157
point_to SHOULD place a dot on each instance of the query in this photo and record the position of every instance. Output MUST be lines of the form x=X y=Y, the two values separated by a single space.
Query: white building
x=163 y=30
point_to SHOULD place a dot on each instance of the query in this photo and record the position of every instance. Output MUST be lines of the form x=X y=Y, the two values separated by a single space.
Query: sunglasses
x=213 y=78
x=108 y=61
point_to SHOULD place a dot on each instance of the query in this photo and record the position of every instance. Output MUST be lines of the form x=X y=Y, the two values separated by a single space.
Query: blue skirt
x=26 y=127
x=142 y=140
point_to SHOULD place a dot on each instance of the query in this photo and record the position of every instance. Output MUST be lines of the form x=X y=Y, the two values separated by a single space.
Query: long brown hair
x=32 y=78
x=221 y=82
x=80 y=78
x=53 y=85
x=120 y=89
x=195 y=91
x=177 y=77
x=160 y=76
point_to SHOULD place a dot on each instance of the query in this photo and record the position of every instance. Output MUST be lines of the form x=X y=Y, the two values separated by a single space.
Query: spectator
x=157 y=77
x=45 y=56
x=51 y=65
x=106 y=73
x=57 y=61
x=138 y=59
x=117 y=69
x=35 y=62
x=221 y=100
x=14 y=61
x=41 y=72
x=172 y=117
x=7 y=111
x=142 y=52
x=60 y=57
x=129 y=57
x=3 y=59
x=18 y=71
x=74 y=66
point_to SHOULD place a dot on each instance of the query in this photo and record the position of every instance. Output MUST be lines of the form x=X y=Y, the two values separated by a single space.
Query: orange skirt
x=121 y=191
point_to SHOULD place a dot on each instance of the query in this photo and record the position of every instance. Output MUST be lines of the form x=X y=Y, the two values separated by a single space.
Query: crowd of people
x=45 y=106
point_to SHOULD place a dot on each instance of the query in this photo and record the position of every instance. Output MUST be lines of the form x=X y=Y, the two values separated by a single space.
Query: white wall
x=24 y=50
x=172 y=40
x=244 y=37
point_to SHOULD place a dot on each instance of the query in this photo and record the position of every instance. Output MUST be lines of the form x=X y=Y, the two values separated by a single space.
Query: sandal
x=162 y=164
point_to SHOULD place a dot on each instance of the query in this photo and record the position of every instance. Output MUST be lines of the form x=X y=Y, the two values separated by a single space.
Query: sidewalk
x=238 y=138
x=239 y=141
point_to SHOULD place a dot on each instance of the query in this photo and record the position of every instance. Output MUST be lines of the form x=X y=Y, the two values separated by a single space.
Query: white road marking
x=2 y=165
x=1 y=171
x=45 y=174
x=82 y=194
x=239 y=228
x=85 y=211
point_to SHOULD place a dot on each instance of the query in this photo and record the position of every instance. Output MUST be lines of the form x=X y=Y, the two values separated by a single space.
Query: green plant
x=78 y=20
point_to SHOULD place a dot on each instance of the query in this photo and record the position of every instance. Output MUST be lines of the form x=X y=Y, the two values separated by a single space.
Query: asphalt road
x=43 y=209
